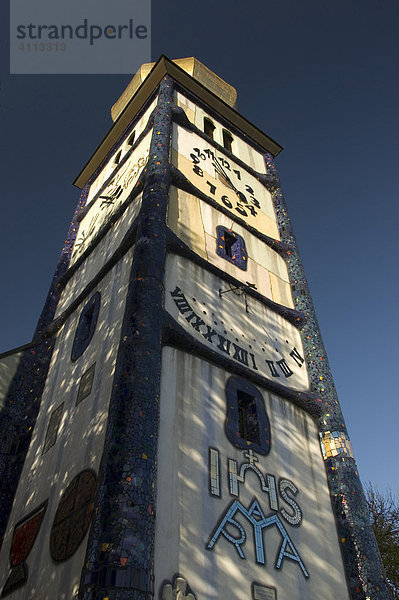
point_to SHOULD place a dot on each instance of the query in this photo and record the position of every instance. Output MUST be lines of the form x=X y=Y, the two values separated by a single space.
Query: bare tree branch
x=384 y=517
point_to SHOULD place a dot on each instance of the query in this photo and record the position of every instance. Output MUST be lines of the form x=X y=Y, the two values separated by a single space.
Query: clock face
x=111 y=195
x=223 y=180
x=233 y=325
x=121 y=150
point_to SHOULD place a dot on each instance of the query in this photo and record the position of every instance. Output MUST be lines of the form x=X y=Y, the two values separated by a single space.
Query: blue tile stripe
x=122 y=532
x=358 y=546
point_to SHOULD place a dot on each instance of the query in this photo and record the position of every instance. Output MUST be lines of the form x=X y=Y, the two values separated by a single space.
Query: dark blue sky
x=320 y=77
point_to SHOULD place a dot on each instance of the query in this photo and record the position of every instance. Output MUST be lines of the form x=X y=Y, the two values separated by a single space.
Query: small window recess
x=227 y=140
x=131 y=139
x=247 y=417
x=209 y=127
x=86 y=326
x=53 y=427
x=229 y=241
x=85 y=384
x=247 y=423
x=231 y=247
x=118 y=157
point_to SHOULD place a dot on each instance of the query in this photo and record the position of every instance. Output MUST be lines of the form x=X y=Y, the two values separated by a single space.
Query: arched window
x=209 y=127
x=86 y=326
x=118 y=157
x=131 y=138
x=247 y=423
x=227 y=140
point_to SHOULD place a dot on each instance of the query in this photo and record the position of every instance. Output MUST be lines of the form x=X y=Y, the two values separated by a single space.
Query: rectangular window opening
x=86 y=384
x=229 y=241
x=53 y=427
x=248 y=417
x=209 y=127
x=227 y=140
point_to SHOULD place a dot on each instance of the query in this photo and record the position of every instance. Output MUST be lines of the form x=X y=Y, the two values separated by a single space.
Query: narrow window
x=247 y=423
x=86 y=384
x=209 y=127
x=227 y=140
x=247 y=417
x=86 y=326
x=118 y=157
x=53 y=427
x=231 y=247
x=131 y=138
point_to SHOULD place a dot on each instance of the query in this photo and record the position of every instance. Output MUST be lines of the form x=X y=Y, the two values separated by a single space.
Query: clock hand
x=223 y=173
x=219 y=168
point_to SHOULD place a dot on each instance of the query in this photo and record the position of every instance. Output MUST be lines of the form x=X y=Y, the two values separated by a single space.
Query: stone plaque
x=264 y=592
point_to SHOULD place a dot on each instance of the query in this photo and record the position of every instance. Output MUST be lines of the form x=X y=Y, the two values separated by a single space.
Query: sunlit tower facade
x=173 y=430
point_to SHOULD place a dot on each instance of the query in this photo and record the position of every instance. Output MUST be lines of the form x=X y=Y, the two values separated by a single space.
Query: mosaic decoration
x=119 y=558
x=267 y=483
x=86 y=326
x=179 y=590
x=21 y=405
x=214 y=472
x=73 y=516
x=120 y=548
x=231 y=247
x=259 y=521
x=24 y=537
x=334 y=443
x=23 y=399
x=53 y=427
x=254 y=513
x=86 y=384
x=247 y=426
x=359 y=549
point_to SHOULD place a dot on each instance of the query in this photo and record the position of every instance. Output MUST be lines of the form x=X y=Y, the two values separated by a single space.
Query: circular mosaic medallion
x=73 y=516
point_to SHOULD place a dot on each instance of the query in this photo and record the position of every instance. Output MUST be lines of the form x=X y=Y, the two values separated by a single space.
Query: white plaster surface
x=257 y=250
x=240 y=148
x=195 y=222
x=105 y=205
x=192 y=419
x=99 y=256
x=79 y=444
x=124 y=147
x=254 y=272
x=262 y=333
x=185 y=143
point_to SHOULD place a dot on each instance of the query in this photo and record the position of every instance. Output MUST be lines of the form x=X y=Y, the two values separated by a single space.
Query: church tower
x=173 y=430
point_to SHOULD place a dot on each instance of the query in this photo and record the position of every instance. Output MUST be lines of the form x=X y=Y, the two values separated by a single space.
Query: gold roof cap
x=193 y=67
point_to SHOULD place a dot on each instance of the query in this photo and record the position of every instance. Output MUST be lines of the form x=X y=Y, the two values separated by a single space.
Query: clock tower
x=178 y=433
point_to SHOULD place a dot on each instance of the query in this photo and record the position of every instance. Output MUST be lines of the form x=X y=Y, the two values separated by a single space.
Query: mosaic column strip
x=119 y=560
x=359 y=549
x=55 y=291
